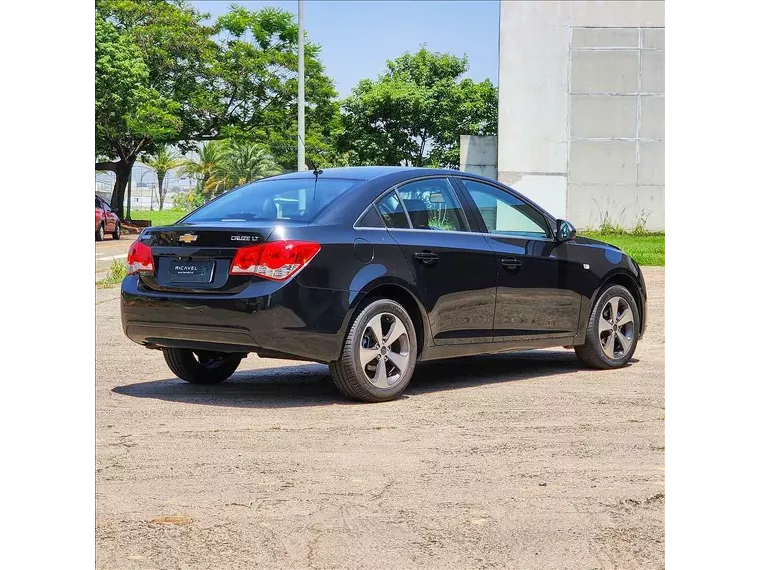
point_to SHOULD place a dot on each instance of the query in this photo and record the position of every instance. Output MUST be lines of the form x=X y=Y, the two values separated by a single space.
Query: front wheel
x=201 y=366
x=379 y=353
x=100 y=233
x=613 y=330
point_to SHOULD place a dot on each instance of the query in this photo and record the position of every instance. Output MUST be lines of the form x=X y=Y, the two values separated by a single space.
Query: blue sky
x=358 y=36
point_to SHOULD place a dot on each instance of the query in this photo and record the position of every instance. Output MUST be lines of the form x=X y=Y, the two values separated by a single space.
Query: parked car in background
x=106 y=222
x=372 y=270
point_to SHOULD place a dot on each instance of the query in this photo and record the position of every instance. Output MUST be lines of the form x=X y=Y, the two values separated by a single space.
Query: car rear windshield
x=297 y=199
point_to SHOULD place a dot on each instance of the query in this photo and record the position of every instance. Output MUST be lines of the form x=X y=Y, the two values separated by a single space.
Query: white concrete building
x=581 y=110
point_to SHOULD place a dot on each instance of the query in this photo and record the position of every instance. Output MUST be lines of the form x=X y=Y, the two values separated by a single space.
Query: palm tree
x=162 y=161
x=246 y=161
x=226 y=164
x=207 y=165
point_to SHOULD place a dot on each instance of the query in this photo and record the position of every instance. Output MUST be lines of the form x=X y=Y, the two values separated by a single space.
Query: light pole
x=301 y=97
x=146 y=170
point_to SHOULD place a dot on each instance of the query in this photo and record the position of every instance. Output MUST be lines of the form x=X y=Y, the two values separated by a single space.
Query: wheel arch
x=627 y=280
x=395 y=291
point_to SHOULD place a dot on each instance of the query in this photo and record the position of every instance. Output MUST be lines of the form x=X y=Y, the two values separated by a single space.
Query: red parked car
x=106 y=222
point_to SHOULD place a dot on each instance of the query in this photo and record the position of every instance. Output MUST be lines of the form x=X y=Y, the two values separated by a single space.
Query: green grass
x=163 y=218
x=646 y=249
x=116 y=274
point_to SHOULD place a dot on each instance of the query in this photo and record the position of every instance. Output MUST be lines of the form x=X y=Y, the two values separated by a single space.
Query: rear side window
x=432 y=205
x=392 y=211
x=297 y=199
x=370 y=220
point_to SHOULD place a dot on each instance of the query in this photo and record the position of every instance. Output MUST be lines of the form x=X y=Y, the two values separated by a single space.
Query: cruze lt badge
x=188 y=238
x=243 y=238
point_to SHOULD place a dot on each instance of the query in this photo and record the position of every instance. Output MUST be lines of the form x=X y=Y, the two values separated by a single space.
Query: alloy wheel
x=384 y=350
x=616 y=328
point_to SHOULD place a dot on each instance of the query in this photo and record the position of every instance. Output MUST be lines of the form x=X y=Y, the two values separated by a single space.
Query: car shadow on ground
x=311 y=385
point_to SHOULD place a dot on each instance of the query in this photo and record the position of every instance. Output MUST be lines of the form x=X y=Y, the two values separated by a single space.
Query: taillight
x=139 y=258
x=276 y=260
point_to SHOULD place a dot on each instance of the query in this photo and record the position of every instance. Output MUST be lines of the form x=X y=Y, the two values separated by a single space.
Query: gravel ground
x=510 y=461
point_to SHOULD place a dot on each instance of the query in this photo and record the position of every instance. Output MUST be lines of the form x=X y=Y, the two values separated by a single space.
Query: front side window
x=297 y=199
x=504 y=213
x=432 y=205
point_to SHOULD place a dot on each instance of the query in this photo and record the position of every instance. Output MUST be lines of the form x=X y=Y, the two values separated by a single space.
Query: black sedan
x=372 y=270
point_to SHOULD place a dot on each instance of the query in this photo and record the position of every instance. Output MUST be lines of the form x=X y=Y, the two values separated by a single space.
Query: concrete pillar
x=477 y=154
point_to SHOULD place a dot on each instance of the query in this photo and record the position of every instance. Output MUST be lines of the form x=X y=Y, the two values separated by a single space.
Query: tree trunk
x=160 y=192
x=121 y=168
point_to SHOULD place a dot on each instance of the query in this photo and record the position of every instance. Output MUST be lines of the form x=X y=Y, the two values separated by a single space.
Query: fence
x=144 y=194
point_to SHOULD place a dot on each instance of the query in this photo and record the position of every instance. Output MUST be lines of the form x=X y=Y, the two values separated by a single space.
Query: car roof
x=363 y=172
x=378 y=178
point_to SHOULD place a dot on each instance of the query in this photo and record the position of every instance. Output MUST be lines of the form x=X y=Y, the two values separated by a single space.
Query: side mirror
x=565 y=231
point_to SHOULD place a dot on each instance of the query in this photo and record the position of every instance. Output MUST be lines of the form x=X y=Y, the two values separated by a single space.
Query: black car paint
x=466 y=302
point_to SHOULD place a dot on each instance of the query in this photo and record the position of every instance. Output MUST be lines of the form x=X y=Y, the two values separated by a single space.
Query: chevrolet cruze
x=372 y=270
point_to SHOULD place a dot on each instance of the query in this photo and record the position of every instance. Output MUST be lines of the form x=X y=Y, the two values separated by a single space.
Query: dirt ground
x=511 y=461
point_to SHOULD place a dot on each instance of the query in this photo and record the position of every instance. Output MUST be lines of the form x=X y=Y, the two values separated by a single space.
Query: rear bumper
x=189 y=336
x=289 y=319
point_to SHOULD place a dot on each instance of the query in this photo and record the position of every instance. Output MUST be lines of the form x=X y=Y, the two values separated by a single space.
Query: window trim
x=510 y=192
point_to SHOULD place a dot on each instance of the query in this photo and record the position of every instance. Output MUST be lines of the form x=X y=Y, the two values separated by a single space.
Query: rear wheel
x=117 y=232
x=612 y=331
x=379 y=353
x=201 y=366
x=100 y=233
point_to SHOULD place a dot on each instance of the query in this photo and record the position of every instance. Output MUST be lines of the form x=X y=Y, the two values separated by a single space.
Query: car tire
x=117 y=232
x=359 y=373
x=622 y=331
x=201 y=367
x=100 y=233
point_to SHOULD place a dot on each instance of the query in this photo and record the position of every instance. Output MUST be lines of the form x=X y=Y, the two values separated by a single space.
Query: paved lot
x=510 y=461
x=108 y=250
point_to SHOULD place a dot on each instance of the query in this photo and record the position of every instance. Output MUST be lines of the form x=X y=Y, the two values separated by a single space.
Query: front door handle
x=427 y=257
x=511 y=262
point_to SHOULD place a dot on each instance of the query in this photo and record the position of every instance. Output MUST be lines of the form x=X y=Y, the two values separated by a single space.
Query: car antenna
x=311 y=166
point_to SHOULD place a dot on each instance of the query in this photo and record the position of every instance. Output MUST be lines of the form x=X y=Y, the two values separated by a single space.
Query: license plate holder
x=185 y=271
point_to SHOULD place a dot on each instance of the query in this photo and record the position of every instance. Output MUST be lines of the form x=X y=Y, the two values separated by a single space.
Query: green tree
x=147 y=57
x=209 y=159
x=164 y=76
x=267 y=41
x=163 y=160
x=239 y=162
x=246 y=162
x=414 y=113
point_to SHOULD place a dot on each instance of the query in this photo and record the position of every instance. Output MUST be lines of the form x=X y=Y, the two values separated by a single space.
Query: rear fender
x=402 y=292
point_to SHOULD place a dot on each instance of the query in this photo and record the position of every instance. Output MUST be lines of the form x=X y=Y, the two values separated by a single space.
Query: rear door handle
x=427 y=257
x=511 y=262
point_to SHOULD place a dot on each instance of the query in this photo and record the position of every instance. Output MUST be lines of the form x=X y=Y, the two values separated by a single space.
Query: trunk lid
x=194 y=258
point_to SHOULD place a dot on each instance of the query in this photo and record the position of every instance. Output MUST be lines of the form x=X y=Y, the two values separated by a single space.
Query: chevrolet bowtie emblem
x=188 y=238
